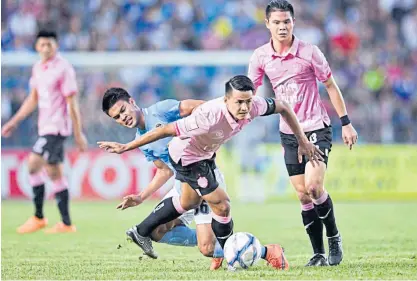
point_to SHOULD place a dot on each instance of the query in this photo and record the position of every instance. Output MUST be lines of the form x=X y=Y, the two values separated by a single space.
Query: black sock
x=62 y=199
x=39 y=196
x=326 y=214
x=314 y=228
x=164 y=212
x=222 y=231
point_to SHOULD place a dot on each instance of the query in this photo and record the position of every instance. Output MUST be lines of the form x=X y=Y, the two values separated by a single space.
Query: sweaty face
x=239 y=103
x=46 y=47
x=125 y=113
x=281 y=25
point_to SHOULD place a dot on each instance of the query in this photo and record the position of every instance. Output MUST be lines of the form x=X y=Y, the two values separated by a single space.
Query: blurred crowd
x=371 y=46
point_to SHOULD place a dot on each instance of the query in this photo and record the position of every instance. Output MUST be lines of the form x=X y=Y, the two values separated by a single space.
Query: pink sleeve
x=320 y=65
x=198 y=123
x=259 y=106
x=255 y=70
x=69 y=82
x=32 y=81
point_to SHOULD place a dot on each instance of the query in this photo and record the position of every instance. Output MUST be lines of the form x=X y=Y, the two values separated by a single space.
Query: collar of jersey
x=293 y=50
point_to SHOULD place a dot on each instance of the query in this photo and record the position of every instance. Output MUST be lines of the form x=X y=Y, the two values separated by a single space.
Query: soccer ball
x=242 y=249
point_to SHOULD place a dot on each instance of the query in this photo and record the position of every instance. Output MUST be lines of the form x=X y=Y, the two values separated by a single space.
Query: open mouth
x=129 y=121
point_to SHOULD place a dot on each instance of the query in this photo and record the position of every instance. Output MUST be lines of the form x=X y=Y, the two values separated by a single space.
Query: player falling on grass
x=53 y=91
x=293 y=67
x=192 y=154
x=119 y=105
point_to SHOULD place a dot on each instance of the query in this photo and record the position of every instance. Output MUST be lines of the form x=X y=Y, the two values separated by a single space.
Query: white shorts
x=202 y=215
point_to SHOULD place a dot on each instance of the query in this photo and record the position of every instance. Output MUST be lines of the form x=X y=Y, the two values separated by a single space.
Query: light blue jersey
x=160 y=113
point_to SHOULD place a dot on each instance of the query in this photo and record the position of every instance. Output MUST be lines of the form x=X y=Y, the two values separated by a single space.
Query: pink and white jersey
x=202 y=133
x=54 y=80
x=293 y=78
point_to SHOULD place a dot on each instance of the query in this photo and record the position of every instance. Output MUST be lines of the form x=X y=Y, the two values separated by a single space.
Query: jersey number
x=313 y=138
x=203 y=209
x=40 y=143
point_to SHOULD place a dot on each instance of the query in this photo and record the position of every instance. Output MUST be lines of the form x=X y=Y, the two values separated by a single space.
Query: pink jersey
x=53 y=80
x=202 y=133
x=294 y=80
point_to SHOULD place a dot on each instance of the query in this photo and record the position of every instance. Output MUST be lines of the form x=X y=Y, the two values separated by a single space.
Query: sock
x=314 y=227
x=222 y=228
x=325 y=210
x=167 y=210
x=62 y=199
x=218 y=251
x=180 y=235
x=37 y=182
x=263 y=253
x=39 y=196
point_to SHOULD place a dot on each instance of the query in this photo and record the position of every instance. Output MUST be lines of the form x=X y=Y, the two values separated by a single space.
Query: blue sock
x=218 y=251
x=180 y=236
x=263 y=253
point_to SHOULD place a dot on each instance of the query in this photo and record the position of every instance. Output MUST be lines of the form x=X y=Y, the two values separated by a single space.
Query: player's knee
x=34 y=167
x=304 y=197
x=314 y=188
x=223 y=208
x=54 y=173
x=206 y=248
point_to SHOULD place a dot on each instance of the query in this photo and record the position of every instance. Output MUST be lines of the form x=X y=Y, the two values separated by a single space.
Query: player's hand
x=81 y=142
x=8 y=129
x=112 y=147
x=309 y=149
x=349 y=135
x=130 y=201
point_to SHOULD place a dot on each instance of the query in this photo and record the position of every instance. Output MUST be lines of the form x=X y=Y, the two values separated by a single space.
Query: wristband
x=345 y=120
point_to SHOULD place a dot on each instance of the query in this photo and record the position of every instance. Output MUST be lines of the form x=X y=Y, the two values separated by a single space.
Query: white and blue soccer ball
x=242 y=250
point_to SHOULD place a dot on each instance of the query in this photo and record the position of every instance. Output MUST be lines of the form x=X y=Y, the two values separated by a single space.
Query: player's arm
x=335 y=96
x=275 y=106
x=283 y=108
x=196 y=124
x=29 y=105
x=349 y=134
x=162 y=175
x=74 y=111
x=69 y=90
x=323 y=74
x=187 y=106
x=165 y=131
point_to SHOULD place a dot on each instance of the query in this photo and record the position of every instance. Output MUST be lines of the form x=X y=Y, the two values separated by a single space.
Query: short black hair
x=279 y=5
x=240 y=83
x=45 y=33
x=113 y=95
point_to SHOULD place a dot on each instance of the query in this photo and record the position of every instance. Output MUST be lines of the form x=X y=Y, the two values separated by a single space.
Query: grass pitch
x=380 y=242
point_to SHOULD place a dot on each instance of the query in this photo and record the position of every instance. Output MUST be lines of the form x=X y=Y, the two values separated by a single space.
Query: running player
x=53 y=91
x=293 y=67
x=192 y=154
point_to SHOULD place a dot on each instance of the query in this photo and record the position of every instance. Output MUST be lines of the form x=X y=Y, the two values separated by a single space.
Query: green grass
x=380 y=242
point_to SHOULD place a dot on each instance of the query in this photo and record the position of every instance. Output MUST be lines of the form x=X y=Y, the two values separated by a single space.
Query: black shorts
x=51 y=148
x=321 y=138
x=200 y=175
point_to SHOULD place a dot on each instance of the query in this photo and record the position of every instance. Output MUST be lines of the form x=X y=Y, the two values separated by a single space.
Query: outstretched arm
x=288 y=114
x=162 y=175
x=304 y=146
x=151 y=136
